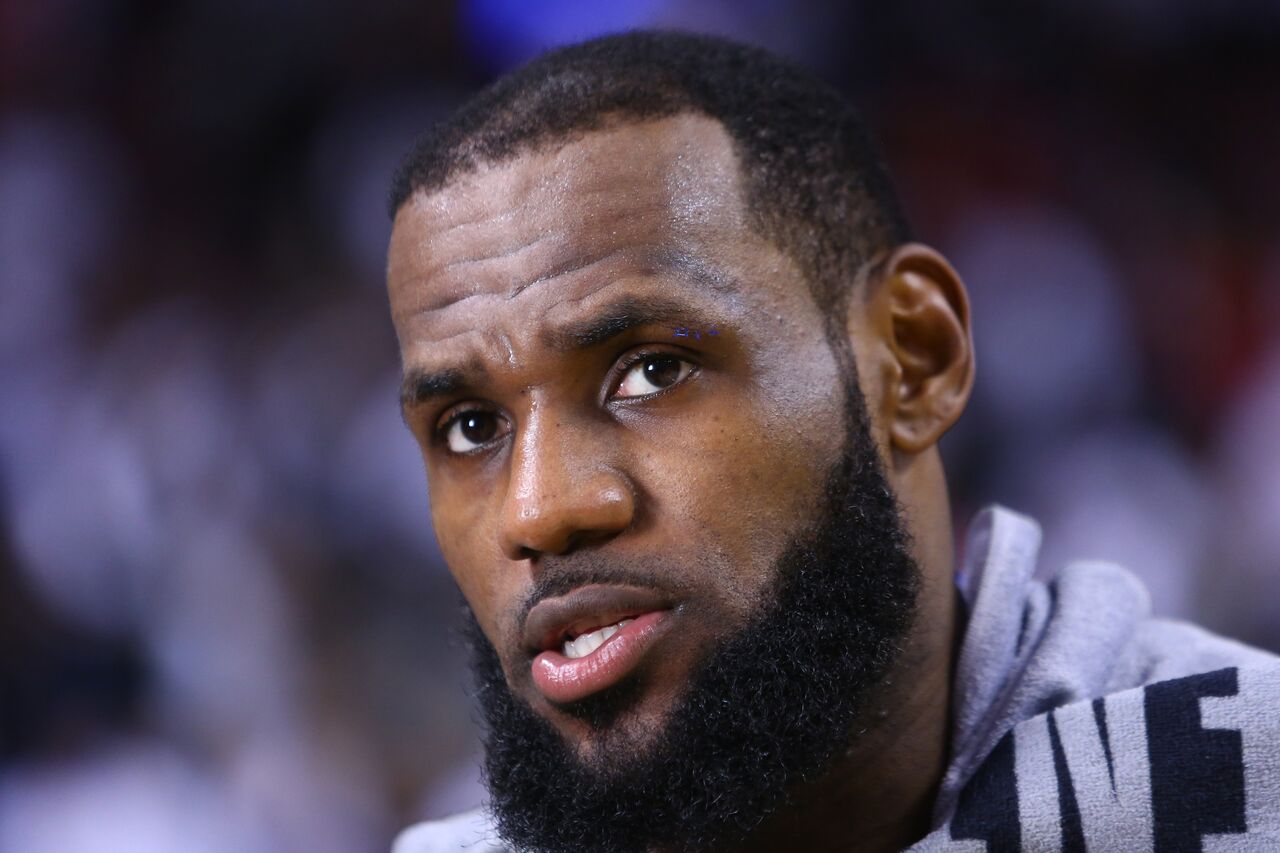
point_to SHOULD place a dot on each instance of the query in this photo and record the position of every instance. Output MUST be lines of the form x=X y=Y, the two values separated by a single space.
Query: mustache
x=562 y=577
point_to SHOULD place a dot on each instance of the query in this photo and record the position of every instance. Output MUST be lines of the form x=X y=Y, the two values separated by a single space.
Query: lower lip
x=562 y=679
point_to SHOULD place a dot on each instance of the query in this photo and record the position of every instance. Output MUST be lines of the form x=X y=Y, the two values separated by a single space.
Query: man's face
x=588 y=464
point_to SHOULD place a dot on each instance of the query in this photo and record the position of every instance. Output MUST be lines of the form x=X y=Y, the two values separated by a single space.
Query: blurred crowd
x=224 y=624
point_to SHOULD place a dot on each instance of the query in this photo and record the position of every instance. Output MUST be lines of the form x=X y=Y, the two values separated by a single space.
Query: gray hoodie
x=1081 y=722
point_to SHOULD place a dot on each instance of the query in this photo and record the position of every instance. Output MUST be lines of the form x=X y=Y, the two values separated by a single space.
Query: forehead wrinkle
x=484 y=215
x=579 y=223
x=477 y=288
x=565 y=302
x=423 y=312
x=690 y=272
x=547 y=257
x=570 y=266
x=452 y=280
x=638 y=307
x=427 y=349
x=682 y=262
x=437 y=236
x=505 y=254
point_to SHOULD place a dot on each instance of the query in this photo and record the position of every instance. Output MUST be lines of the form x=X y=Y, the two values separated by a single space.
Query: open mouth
x=592 y=638
x=594 y=661
x=585 y=644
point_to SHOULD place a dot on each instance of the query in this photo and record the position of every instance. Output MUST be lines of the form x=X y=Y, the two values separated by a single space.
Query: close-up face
x=625 y=404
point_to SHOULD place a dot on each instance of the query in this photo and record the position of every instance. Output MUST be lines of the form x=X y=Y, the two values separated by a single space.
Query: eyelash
x=624 y=367
x=642 y=355
x=442 y=432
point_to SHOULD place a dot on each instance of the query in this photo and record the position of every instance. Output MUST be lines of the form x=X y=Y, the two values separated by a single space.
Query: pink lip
x=563 y=680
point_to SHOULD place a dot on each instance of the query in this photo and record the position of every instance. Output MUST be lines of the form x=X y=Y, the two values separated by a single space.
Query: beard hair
x=772 y=706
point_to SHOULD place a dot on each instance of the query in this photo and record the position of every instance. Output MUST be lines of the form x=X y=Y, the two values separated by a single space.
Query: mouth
x=592 y=638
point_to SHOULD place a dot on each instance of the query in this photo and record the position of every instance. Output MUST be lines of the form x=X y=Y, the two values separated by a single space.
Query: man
x=678 y=374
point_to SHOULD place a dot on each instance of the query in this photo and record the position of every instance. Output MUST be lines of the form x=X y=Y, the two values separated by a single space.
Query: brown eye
x=652 y=374
x=471 y=429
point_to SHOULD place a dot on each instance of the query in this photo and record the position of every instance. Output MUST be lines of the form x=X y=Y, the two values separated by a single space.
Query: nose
x=562 y=494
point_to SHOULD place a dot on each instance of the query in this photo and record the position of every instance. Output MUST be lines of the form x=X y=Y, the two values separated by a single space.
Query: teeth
x=588 y=643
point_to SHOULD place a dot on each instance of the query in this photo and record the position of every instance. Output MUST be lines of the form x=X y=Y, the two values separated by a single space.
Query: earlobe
x=930 y=342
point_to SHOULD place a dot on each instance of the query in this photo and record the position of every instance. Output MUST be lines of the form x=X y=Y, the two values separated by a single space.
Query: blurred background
x=224 y=625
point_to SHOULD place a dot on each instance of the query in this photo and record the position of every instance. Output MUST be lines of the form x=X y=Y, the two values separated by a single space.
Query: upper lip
x=553 y=620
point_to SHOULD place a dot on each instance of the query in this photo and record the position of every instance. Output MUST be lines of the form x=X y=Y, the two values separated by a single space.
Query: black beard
x=772 y=707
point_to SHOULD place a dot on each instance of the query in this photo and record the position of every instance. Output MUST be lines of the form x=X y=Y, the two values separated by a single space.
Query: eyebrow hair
x=420 y=386
x=619 y=317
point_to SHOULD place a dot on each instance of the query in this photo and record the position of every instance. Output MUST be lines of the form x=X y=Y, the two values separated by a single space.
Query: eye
x=471 y=429
x=652 y=373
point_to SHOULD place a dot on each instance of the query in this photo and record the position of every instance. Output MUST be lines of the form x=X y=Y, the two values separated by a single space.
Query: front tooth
x=588 y=643
x=582 y=646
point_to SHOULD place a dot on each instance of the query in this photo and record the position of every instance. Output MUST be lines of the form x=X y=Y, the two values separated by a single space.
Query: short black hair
x=815 y=183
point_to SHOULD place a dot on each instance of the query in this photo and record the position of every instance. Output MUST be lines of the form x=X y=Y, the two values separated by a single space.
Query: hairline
x=473 y=163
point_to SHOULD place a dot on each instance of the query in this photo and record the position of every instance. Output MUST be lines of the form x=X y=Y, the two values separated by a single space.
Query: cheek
x=732 y=490
x=471 y=557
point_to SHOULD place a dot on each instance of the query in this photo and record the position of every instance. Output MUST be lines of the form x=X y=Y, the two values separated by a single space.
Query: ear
x=921 y=311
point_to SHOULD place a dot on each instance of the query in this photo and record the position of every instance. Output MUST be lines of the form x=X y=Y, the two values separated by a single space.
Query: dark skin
x=704 y=458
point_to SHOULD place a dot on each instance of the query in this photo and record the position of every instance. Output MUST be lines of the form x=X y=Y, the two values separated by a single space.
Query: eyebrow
x=615 y=318
x=421 y=386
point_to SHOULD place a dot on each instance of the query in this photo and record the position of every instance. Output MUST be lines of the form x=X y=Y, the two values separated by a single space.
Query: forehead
x=668 y=186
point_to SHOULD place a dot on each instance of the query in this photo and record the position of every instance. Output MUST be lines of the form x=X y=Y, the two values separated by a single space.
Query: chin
x=624 y=720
